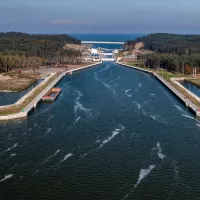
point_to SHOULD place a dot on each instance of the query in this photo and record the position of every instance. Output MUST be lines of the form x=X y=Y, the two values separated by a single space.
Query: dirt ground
x=47 y=70
x=15 y=82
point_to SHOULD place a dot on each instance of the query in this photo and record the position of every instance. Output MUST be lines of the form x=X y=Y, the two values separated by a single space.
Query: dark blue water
x=191 y=87
x=7 y=98
x=113 y=133
x=107 y=38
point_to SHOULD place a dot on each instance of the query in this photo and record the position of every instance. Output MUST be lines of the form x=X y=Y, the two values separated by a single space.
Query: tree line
x=172 y=51
x=21 y=50
x=170 y=62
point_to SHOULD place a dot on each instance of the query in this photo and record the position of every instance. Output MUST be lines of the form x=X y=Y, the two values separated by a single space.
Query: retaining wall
x=35 y=101
x=186 y=101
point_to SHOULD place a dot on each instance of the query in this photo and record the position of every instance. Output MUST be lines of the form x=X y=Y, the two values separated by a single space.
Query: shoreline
x=192 y=81
x=6 y=91
x=170 y=87
x=33 y=104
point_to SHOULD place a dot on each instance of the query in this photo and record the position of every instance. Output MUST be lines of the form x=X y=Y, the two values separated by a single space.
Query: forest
x=21 y=50
x=172 y=51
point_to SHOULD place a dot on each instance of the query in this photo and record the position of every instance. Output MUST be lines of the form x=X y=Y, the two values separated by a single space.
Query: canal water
x=191 y=87
x=113 y=133
x=7 y=98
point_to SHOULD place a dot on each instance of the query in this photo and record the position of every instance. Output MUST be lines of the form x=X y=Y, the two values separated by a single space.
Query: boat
x=52 y=94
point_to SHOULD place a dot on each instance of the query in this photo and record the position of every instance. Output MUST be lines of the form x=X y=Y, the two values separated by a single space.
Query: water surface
x=113 y=133
x=7 y=98
x=191 y=87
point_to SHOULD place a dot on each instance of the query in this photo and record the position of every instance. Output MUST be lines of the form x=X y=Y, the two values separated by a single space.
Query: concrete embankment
x=37 y=99
x=178 y=94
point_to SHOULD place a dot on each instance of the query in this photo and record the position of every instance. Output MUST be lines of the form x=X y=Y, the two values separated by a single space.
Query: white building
x=116 y=51
x=93 y=51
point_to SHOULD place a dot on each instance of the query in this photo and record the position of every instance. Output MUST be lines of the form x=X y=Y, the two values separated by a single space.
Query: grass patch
x=16 y=82
x=17 y=85
x=137 y=64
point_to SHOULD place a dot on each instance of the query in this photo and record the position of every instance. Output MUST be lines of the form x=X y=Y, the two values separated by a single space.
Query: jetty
x=188 y=103
x=33 y=104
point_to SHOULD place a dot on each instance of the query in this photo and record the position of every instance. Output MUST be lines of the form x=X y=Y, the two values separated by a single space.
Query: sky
x=100 y=16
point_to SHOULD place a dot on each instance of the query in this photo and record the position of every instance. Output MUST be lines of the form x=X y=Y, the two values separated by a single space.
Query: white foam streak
x=148 y=102
x=50 y=157
x=160 y=155
x=11 y=148
x=137 y=104
x=153 y=117
x=36 y=172
x=198 y=125
x=51 y=117
x=84 y=155
x=179 y=108
x=14 y=167
x=78 y=106
x=139 y=86
x=77 y=120
x=188 y=116
x=114 y=133
x=152 y=94
x=66 y=157
x=48 y=131
x=96 y=77
x=143 y=174
x=127 y=91
x=105 y=141
x=105 y=84
x=6 y=177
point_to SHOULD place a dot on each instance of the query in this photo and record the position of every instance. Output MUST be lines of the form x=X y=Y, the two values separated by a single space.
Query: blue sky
x=100 y=16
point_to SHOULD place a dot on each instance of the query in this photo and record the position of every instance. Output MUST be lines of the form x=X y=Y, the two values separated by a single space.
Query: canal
x=7 y=98
x=113 y=133
x=191 y=87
